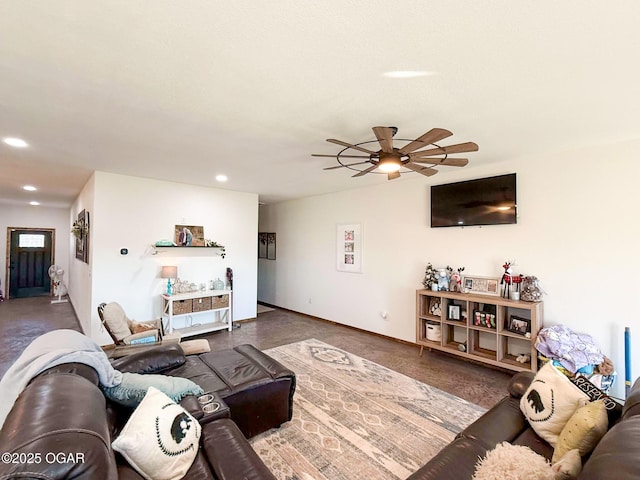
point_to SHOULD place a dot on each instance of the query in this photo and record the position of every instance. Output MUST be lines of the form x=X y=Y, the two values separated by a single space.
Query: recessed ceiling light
x=407 y=74
x=222 y=178
x=29 y=188
x=15 y=142
x=34 y=203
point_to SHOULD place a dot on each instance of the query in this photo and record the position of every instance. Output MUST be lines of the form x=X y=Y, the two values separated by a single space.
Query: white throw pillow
x=550 y=401
x=161 y=439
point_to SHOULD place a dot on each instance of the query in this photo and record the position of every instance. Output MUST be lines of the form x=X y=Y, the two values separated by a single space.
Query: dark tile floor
x=476 y=383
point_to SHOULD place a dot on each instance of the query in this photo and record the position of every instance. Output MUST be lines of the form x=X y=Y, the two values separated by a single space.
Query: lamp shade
x=169 y=272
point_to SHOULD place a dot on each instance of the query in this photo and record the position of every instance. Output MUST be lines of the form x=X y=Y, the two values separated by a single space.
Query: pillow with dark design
x=161 y=439
x=550 y=401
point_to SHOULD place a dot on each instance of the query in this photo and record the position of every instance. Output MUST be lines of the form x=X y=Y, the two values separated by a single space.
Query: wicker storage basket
x=181 y=306
x=221 y=301
x=201 y=304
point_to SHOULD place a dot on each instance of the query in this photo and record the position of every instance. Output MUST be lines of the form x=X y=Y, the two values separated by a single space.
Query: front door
x=30 y=256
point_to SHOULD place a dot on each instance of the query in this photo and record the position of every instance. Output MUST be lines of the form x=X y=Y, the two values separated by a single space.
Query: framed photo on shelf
x=454 y=312
x=519 y=325
x=189 y=235
x=481 y=285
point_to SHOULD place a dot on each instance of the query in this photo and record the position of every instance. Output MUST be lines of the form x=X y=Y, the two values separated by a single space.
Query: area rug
x=356 y=420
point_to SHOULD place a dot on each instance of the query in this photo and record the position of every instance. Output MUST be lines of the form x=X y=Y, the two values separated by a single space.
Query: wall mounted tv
x=483 y=201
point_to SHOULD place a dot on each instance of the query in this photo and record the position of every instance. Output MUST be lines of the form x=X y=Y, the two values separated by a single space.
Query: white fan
x=56 y=274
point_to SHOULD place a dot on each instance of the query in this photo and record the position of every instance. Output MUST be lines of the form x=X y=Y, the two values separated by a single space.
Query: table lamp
x=169 y=272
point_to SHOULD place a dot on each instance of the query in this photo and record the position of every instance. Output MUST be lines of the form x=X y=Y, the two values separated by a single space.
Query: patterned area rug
x=356 y=420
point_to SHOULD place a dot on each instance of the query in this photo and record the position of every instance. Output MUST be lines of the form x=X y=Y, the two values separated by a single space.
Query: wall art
x=349 y=248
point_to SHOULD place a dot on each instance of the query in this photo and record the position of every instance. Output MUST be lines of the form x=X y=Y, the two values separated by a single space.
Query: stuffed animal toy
x=443 y=280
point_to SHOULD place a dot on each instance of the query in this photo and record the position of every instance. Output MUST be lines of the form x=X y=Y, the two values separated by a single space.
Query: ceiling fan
x=390 y=160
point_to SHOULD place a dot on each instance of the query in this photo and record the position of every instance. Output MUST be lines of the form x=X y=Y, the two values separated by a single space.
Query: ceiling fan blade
x=451 y=162
x=385 y=137
x=458 y=148
x=365 y=171
x=341 y=156
x=433 y=135
x=347 y=165
x=421 y=169
x=348 y=145
x=392 y=175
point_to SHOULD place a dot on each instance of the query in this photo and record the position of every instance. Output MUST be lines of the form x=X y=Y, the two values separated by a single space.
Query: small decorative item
x=506 y=279
x=189 y=236
x=218 y=284
x=214 y=244
x=519 y=325
x=455 y=279
x=430 y=278
x=229 y=278
x=434 y=307
x=531 y=291
x=443 y=280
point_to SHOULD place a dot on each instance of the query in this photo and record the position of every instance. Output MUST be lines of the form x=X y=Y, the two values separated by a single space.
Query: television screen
x=484 y=201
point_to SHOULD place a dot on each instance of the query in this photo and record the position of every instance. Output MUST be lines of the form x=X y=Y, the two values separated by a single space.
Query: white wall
x=577 y=230
x=134 y=213
x=80 y=273
x=36 y=217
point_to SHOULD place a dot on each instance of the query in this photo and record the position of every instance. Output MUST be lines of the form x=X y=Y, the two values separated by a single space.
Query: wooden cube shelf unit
x=477 y=327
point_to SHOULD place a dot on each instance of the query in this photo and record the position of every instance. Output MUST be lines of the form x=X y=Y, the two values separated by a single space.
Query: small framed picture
x=481 y=285
x=454 y=312
x=519 y=325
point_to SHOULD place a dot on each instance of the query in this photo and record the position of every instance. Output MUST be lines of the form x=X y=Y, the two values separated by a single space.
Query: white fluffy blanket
x=46 y=351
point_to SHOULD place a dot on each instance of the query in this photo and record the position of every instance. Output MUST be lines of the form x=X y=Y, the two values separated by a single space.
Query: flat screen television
x=483 y=201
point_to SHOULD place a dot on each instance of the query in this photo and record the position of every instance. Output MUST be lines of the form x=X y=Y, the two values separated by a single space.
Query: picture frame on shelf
x=519 y=325
x=481 y=285
x=454 y=312
x=189 y=235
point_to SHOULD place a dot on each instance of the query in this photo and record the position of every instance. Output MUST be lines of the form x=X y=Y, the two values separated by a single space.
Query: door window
x=29 y=240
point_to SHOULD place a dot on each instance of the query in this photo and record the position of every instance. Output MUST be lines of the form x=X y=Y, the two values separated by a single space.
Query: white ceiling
x=186 y=90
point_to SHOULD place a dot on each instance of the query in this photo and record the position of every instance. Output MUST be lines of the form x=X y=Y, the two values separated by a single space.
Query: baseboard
x=362 y=330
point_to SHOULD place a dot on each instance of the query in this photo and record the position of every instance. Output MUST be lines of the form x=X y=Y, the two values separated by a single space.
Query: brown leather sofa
x=615 y=457
x=63 y=415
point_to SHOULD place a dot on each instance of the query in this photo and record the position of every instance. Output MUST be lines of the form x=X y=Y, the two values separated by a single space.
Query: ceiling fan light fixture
x=389 y=165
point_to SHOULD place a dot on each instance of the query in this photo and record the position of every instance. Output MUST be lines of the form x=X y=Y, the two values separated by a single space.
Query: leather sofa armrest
x=191 y=404
x=229 y=454
x=632 y=404
x=519 y=383
x=275 y=368
x=57 y=429
x=153 y=360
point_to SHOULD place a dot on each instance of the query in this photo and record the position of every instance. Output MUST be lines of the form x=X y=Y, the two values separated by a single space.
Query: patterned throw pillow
x=550 y=401
x=161 y=439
